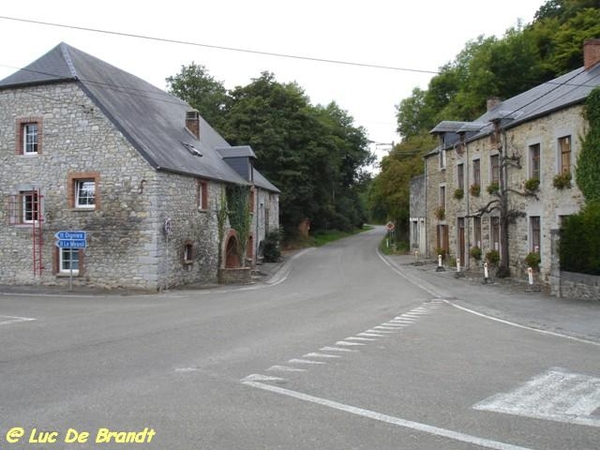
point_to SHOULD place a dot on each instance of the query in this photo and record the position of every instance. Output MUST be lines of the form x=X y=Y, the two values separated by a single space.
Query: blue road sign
x=71 y=243
x=77 y=235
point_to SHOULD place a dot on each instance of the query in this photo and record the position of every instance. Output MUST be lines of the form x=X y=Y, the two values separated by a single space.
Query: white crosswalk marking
x=554 y=395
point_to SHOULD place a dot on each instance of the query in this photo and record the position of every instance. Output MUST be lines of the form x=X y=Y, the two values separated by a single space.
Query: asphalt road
x=338 y=351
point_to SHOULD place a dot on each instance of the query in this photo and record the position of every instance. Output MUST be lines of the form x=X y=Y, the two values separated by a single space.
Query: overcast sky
x=416 y=35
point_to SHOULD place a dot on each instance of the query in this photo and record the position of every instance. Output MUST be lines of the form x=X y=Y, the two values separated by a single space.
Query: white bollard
x=530 y=275
x=458 y=264
x=439 y=260
x=486 y=273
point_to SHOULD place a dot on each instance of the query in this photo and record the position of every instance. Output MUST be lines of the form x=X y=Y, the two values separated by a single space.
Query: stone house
x=525 y=147
x=88 y=147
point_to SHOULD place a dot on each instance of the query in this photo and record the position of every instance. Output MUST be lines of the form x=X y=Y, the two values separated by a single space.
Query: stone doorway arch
x=232 y=254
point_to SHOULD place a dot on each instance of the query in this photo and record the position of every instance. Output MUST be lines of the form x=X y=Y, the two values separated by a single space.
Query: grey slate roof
x=151 y=119
x=562 y=92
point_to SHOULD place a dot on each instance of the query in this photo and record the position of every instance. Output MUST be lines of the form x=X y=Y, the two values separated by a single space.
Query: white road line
x=285 y=369
x=354 y=338
x=258 y=377
x=395 y=325
x=381 y=331
x=429 y=429
x=367 y=334
x=403 y=320
x=304 y=361
x=349 y=344
x=381 y=327
x=320 y=355
x=5 y=320
x=554 y=395
x=337 y=349
x=524 y=327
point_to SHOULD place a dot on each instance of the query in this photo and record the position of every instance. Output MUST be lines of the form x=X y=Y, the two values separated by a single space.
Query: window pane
x=69 y=259
x=86 y=193
x=534 y=161
x=476 y=172
x=30 y=138
x=30 y=206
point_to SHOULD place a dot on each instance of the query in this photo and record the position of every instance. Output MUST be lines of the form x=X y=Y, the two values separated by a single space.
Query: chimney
x=591 y=53
x=492 y=102
x=192 y=122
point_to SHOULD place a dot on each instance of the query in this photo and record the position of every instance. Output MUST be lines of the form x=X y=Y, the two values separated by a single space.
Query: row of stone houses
x=86 y=147
x=523 y=149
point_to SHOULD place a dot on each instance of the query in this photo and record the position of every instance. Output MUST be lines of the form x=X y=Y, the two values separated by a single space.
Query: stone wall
x=77 y=138
x=549 y=203
x=127 y=243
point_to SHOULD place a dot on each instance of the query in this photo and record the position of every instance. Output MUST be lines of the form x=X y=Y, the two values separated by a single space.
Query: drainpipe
x=468 y=215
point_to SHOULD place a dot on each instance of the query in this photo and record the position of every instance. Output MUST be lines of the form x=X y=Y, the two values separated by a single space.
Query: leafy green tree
x=197 y=87
x=389 y=190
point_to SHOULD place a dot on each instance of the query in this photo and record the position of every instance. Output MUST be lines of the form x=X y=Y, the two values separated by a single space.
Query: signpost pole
x=71 y=269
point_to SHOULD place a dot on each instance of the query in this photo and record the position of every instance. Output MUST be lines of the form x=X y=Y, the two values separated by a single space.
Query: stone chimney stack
x=492 y=102
x=591 y=53
x=192 y=122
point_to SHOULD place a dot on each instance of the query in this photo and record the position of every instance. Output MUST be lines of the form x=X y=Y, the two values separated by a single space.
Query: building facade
x=88 y=147
x=512 y=171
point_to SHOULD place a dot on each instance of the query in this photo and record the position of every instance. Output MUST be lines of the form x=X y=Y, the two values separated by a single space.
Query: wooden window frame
x=564 y=154
x=477 y=171
x=535 y=167
x=460 y=176
x=202 y=195
x=535 y=230
x=495 y=168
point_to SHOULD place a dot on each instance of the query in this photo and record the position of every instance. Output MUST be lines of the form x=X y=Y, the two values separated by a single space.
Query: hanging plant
x=475 y=190
x=493 y=188
x=492 y=257
x=440 y=213
x=562 y=180
x=532 y=185
x=459 y=194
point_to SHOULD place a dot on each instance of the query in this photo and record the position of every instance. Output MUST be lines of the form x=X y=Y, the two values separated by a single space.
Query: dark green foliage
x=475 y=253
x=533 y=260
x=492 y=257
x=272 y=246
x=313 y=154
x=579 y=247
x=588 y=162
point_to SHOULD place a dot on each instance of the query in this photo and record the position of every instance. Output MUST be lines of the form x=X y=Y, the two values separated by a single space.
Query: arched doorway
x=232 y=255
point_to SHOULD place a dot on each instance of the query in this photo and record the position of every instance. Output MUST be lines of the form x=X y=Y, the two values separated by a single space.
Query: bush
x=579 y=246
x=475 y=253
x=533 y=260
x=492 y=257
x=272 y=250
x=475 y=190
x=459 y=194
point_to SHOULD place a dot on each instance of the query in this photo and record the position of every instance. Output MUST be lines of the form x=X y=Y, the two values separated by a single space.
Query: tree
x=197 y=87
x=390 y=190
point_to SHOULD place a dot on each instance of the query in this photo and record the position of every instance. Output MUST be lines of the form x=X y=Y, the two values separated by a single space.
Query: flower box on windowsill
x=562 y=181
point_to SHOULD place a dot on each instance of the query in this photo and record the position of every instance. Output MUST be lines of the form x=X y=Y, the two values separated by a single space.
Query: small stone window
x=83 y=190
x=68 y=261
x=29 y=136
x=24 y=207
x=188 y=252
x=202 y=195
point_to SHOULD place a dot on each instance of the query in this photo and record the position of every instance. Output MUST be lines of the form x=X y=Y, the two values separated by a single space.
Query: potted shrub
x=475 y=253
x=475 y=190
x=533 y=260
x=562 y=180
x=459 y=194
x=532 y=185
x=492 y=257
x=440 y=213
x=493 y=188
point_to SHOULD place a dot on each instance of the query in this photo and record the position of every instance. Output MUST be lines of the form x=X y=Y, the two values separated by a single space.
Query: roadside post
x=72 y=240
x=440 y=267
x=486 y=273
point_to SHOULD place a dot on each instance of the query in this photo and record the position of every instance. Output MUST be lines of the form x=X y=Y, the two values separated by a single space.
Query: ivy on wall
x=588 y=162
